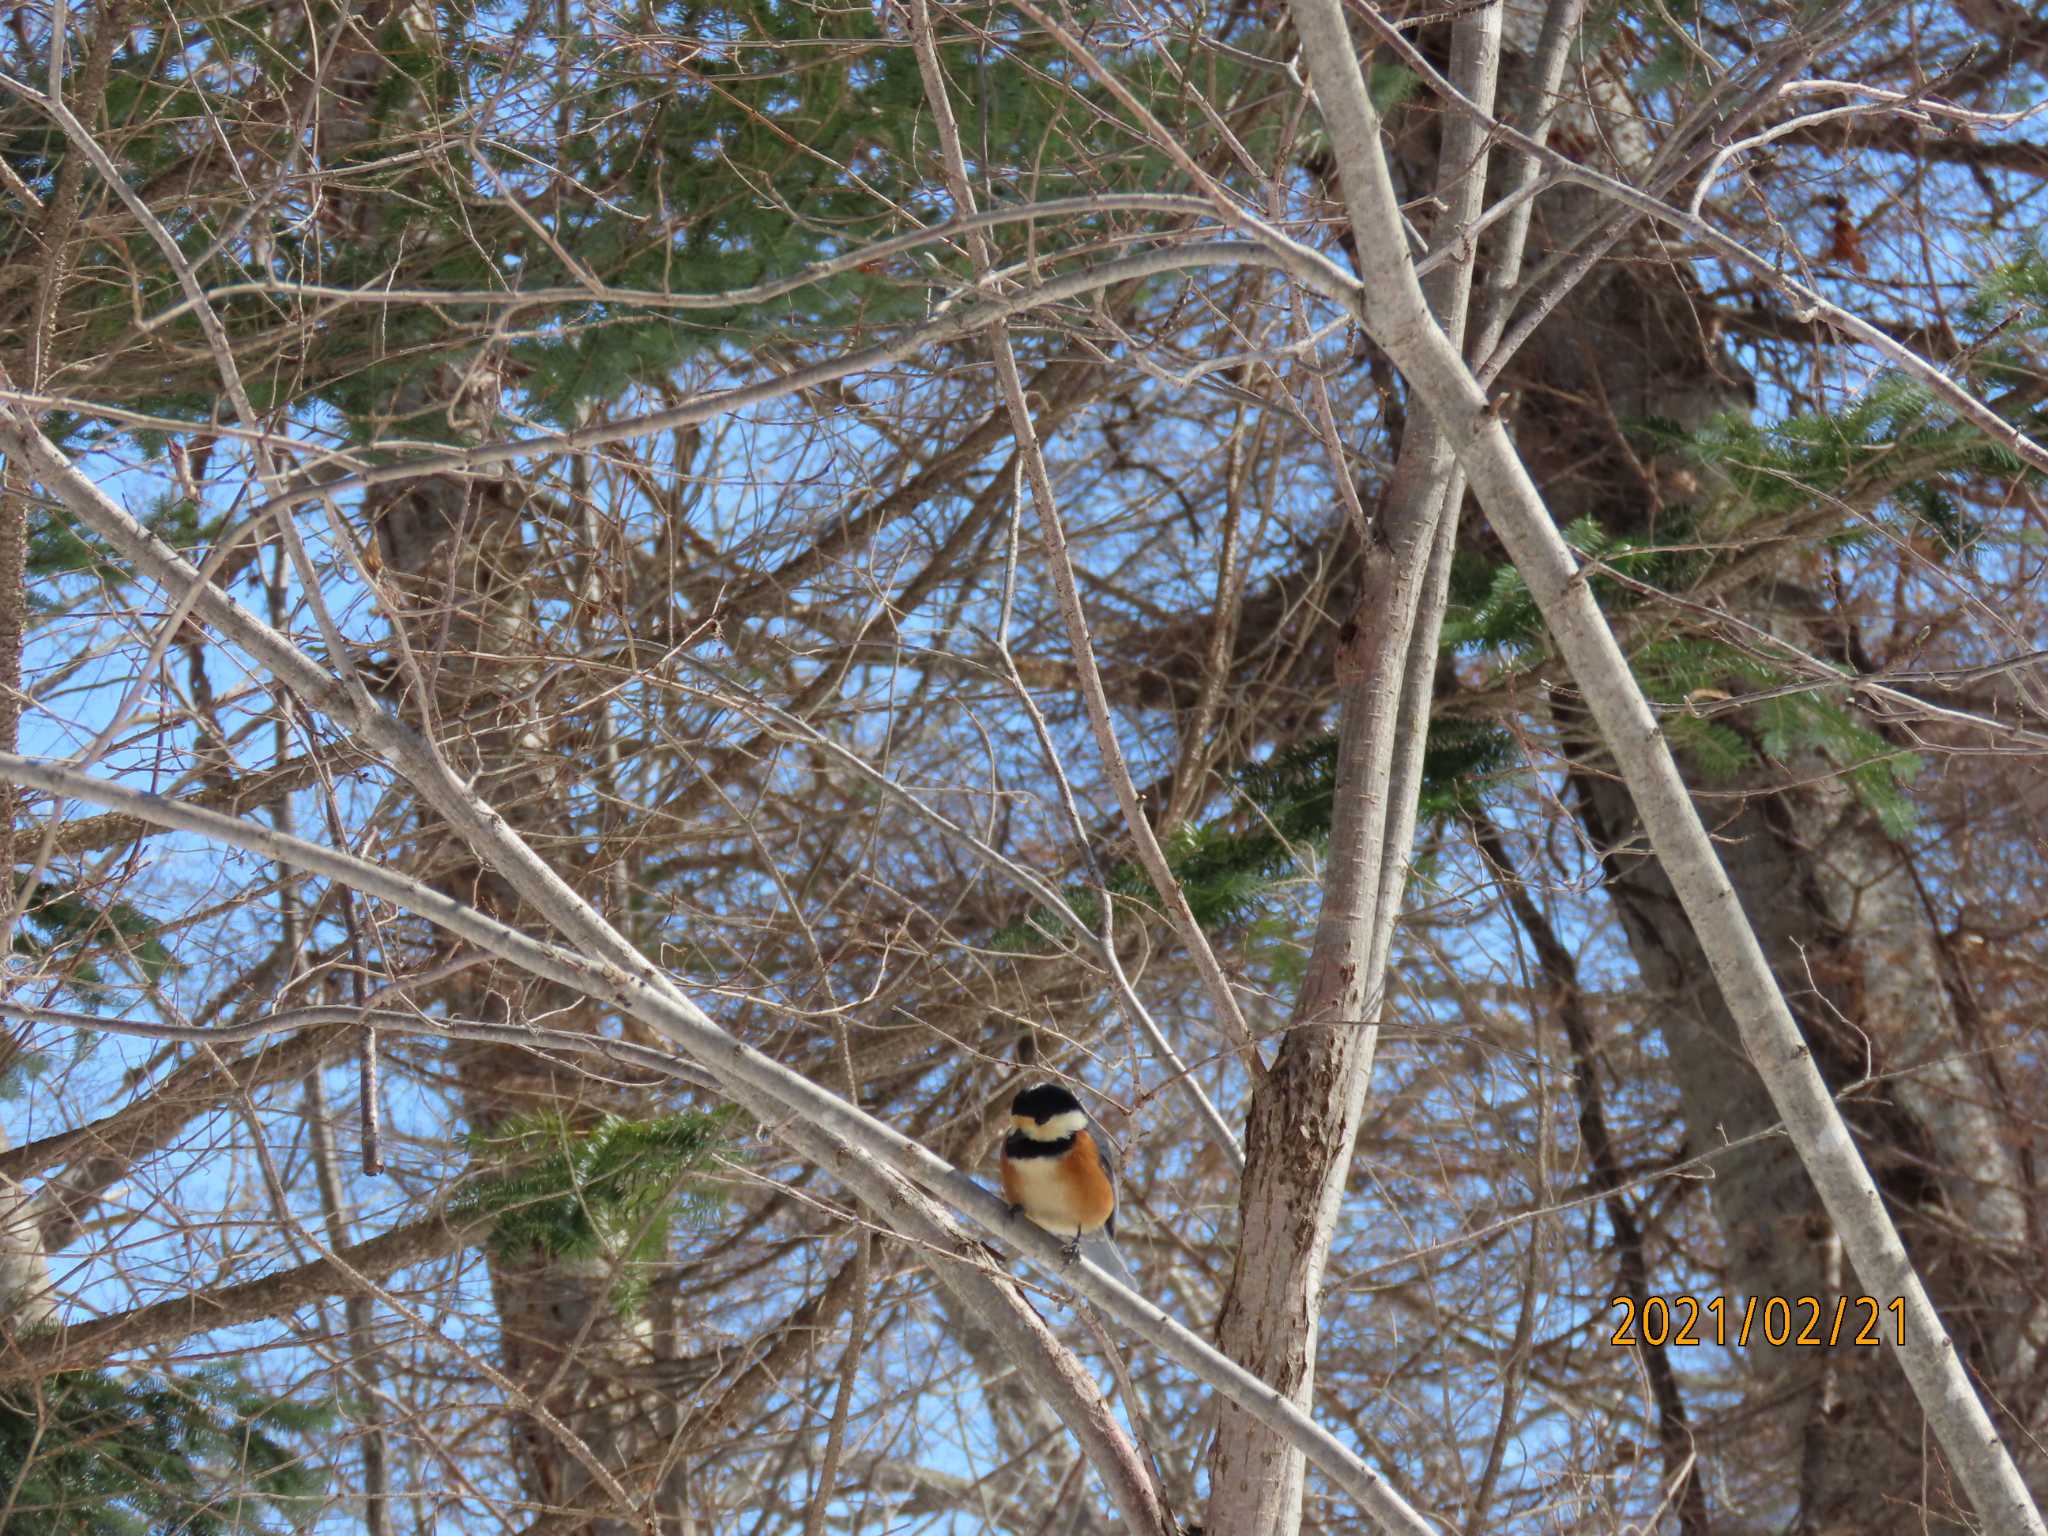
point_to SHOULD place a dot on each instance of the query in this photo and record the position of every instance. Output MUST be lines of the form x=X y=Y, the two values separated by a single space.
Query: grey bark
x=1305 y=1113
x=1560 y=973
x=86 y=1344
x=1835 y=906
x=26 y=1302
x=1397 y=316
x=815 y=1123
x=360 y=1311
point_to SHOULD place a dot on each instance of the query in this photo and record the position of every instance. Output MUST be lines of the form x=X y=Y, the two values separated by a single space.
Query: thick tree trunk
x=452 y=558
x=25 y=1300
x=1305 y=1112
x=1836 y=906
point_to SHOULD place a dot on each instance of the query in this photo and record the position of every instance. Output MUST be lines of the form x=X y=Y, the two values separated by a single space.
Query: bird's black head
x=1044 y=1103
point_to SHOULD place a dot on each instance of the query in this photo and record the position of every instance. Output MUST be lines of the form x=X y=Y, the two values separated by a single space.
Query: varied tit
x=1056 y=1170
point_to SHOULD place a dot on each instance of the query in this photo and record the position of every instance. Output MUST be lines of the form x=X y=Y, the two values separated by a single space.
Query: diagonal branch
x=1398 y=317
x=341 y=1273
x=1811 y=303
x=818 y=1124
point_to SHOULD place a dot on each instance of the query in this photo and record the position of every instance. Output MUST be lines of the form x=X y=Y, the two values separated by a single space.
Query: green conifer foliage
x=1229 y=865
x=58 y=547
x=93 y=1453
x=723 y=147
x=612 y=1191
x=1893 y=454
x=66 y=932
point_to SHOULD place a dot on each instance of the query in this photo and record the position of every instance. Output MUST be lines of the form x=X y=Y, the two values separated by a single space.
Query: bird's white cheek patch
x=1046 y=1197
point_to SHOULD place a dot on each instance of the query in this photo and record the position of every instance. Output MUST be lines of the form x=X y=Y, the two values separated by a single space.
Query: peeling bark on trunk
x=25 y=1300
x=1305 y=1113
x=1835 y=904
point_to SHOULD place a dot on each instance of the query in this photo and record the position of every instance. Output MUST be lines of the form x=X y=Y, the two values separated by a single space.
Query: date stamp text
x=1773 y=1320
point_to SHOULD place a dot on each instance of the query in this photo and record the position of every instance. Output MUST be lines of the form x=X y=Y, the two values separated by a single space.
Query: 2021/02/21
x=1657 y=1321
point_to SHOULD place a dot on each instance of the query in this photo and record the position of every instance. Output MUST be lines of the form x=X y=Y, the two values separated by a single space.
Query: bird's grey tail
x=1100 y=1249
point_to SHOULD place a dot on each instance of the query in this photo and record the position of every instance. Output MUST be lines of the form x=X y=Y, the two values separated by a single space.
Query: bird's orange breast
x=1066 y=1194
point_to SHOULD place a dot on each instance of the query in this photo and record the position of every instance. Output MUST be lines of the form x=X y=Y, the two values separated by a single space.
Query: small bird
x=1056 y=1171
x=1845 y=240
